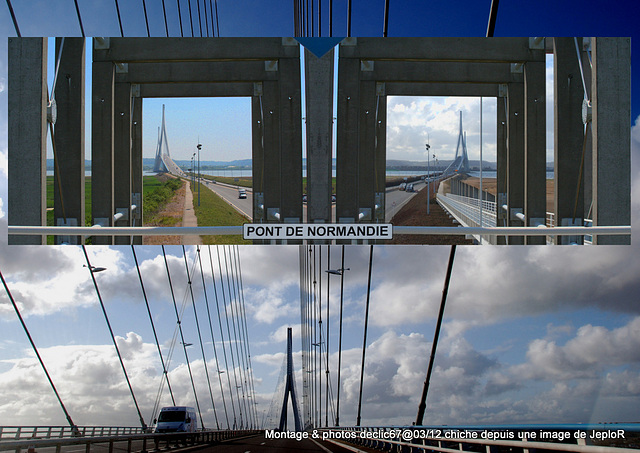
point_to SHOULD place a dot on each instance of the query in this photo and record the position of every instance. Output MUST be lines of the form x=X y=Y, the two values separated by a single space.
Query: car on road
x=242 y=193
x=174 y=419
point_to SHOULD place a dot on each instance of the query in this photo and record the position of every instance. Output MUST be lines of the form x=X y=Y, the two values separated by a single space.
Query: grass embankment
x=244 y=181
x=247 y=181
x=156 y=194
x=87 y=201
x=151 y=201
x=214 y=211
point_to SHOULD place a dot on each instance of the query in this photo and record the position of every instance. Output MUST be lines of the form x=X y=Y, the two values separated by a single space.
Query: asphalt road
x=259 y=444
x=396 y=199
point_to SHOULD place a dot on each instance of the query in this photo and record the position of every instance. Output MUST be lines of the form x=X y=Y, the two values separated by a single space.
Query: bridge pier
x=102 y=144
x=535 y=146
x=319 y=124
x=515 y=156
x=611 y=158
x=27 y=135
x=69 y=137
x=568 y=136
x=122 y=158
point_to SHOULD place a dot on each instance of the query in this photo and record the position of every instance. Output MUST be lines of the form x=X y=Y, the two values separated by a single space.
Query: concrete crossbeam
x=441 y=89
x=442 y=49
x=200 y=90
x=191 y=49
x=440 y=72
x=27 y=135
x=210 y=71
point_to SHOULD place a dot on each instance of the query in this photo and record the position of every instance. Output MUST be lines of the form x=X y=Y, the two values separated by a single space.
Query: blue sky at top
x=519 y=322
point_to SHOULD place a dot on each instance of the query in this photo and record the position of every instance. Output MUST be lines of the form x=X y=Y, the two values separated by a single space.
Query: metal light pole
x=428 y=146
x=199 y=177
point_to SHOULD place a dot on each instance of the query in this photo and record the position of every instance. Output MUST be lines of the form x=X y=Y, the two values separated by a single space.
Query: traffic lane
x=230 y=195
x=396 y=199
x=121 y=446
x=258 y=444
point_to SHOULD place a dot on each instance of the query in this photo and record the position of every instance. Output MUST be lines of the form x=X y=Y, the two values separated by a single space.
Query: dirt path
x=173 y=210
x=414 y=213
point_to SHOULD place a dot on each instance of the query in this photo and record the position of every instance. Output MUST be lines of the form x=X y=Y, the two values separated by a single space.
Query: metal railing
x=59 y=432
x=603 y=438
x=129 y=444
x=467 y=209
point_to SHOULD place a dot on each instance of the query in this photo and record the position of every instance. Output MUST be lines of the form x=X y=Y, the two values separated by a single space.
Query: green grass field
x=214 y=211
x=248 y=182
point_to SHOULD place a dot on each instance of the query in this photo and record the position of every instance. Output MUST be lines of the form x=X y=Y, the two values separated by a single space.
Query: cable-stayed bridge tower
x=460 y=163
x=290 y=388
x=162 y=148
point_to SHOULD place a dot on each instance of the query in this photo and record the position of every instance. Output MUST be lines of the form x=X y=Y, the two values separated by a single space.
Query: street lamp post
x=428 y=146
x=199 y=177
x=339 y=272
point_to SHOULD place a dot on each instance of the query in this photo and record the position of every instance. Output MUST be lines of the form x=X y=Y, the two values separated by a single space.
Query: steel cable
x=119 y=19
x=179 y=322
x=113 y=338
x=153 y=327
x=215 y=352
x=224 y=302
x=79 y=18
x=204 y=359
x=74 y=427
x=364 y=341
x=246 y=329
x=13 y=17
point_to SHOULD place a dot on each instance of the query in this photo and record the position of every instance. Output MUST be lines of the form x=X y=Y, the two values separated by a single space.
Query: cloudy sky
x=531 y=334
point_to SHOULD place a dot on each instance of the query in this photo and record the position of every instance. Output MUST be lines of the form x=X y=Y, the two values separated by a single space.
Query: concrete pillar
x=515 y=155
x=69 y=137
x=501 y=157
x=102 y=142
x=367 y=157
x=257 y=153
x=319 y=122
x=611 y=158
x=588 y=174
x=347 y=158
x=271 y=170
x=380 y=156
x=290 y=151
x=535 y=146
x=122 y=157
x=568 y=136
x=27 y=135
x=136 y=165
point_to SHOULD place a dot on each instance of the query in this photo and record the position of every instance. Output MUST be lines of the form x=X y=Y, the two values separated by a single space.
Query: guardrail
x=49 y=432
x=592 y=438
x=136 y=443
x=469 y=209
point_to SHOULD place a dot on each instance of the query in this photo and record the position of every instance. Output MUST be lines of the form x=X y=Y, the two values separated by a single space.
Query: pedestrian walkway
x=189 y=217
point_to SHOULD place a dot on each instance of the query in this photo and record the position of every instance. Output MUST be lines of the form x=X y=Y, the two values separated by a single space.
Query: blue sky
x=531 y=334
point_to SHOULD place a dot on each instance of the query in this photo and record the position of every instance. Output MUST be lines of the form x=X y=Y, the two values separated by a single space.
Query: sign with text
x=317 y=231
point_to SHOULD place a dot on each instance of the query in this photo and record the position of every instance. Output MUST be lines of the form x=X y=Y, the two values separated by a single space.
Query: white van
x=177 y=419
